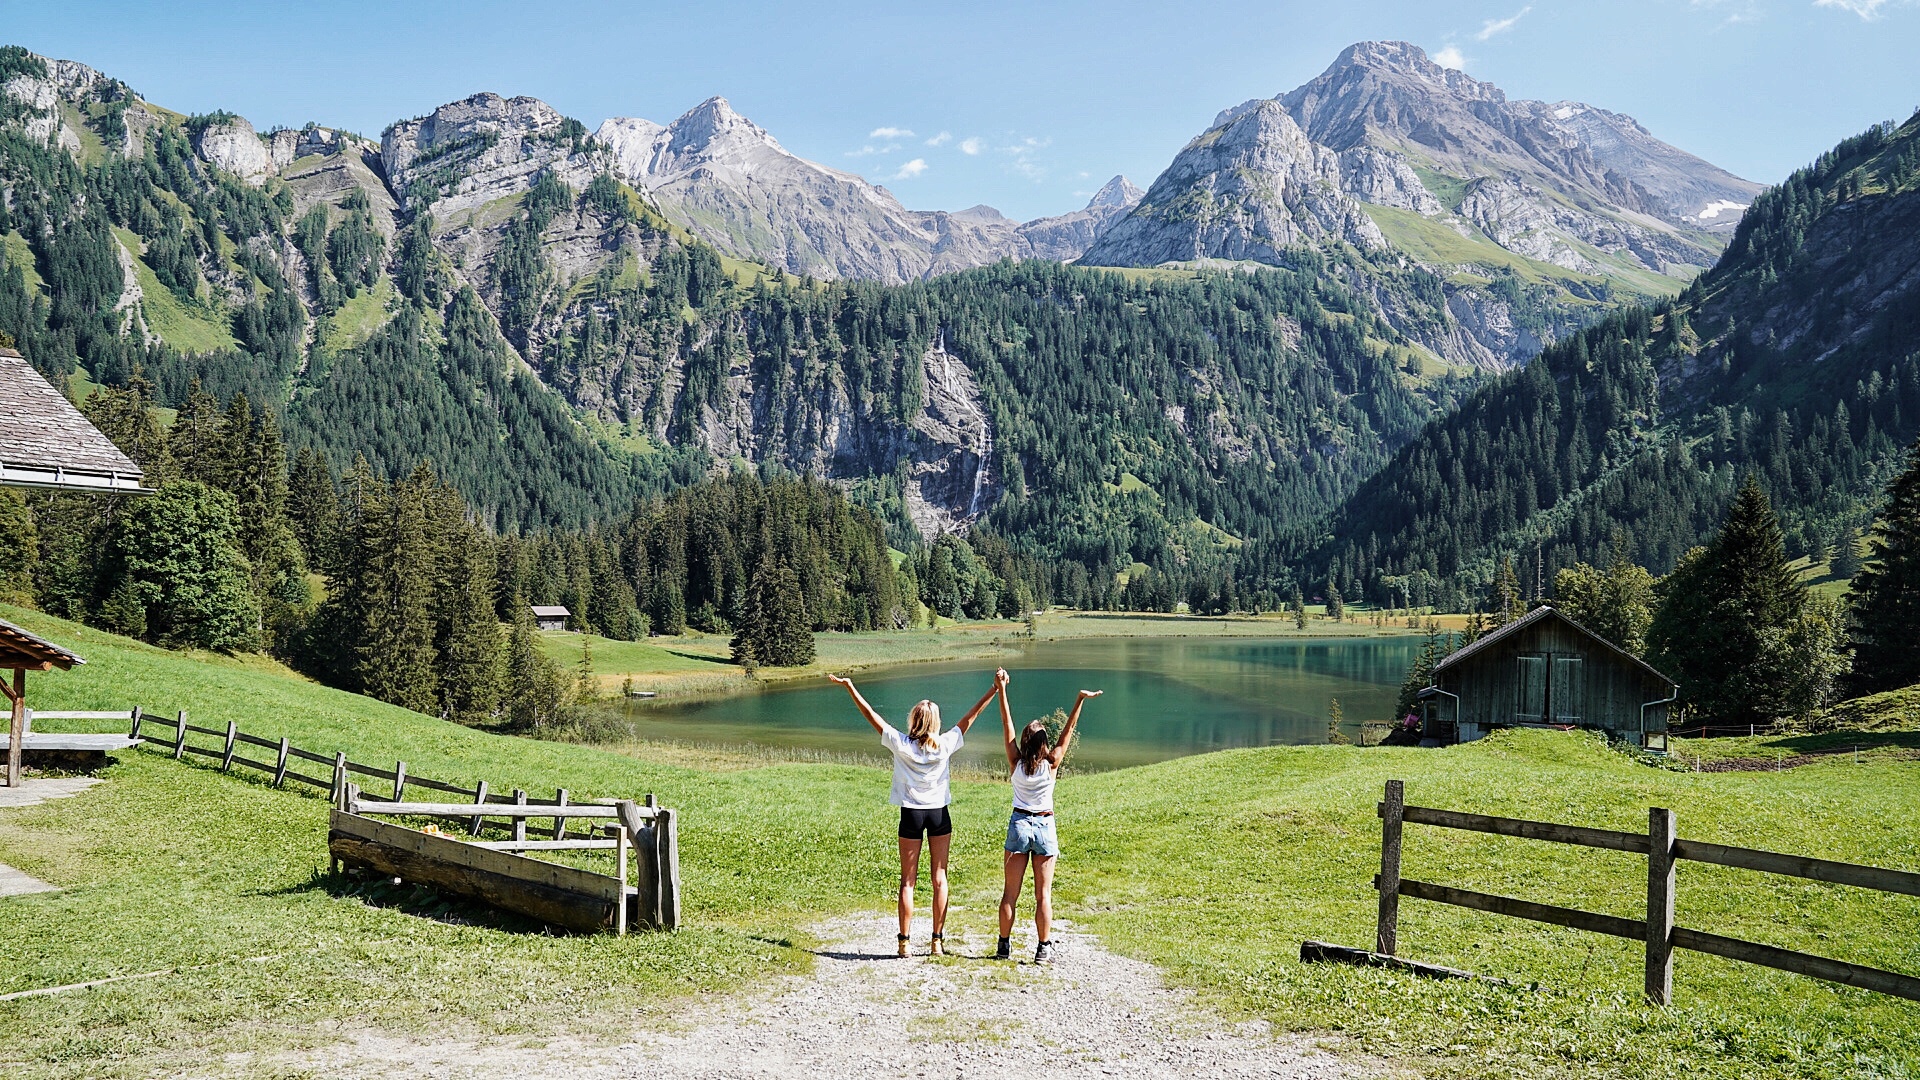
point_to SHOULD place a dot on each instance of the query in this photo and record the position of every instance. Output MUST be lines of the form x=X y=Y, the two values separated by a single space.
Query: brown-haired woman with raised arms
x=1035 y=761
x=921 y=765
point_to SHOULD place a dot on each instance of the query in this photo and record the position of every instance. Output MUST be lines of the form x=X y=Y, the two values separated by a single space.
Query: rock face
x=1573 y=188
x=232 y=144
x=1249 y=187
x=1632 y=194
x=729 y=182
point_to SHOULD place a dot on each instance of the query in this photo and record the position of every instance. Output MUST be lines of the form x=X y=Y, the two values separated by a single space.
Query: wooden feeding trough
x=499 y=873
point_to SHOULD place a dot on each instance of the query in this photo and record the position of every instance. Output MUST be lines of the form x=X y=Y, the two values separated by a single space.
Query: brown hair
x=923 y=723
x=1033 y=743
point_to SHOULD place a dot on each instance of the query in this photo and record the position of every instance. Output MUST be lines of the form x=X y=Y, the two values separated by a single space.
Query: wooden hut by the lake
x=1545 y=670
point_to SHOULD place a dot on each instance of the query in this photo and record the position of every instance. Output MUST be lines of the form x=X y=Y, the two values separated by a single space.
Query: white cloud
x=911 y=169
x=1495 y=27
x=1737 y=11
x=941 y=139
x=1449 y=57
x=890 y=133
x=972 y=145
x=1866 y=9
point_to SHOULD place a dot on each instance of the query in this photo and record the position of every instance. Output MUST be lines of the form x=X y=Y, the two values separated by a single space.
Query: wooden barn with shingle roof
x=46 y=443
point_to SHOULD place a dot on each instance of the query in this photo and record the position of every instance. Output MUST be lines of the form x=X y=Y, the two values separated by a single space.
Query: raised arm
x=973 y=713
x=866 y=710
x=1059 y=752
x=1006 y=720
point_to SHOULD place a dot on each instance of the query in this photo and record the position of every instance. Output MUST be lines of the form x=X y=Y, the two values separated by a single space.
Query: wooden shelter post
x=17 y=727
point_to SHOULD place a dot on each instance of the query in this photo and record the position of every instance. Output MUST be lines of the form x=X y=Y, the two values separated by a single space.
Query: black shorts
x=915 y=824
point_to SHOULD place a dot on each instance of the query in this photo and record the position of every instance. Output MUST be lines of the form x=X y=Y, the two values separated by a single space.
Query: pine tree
x=776 y=633
x=1886 y=593
x=472 y=653
x=536 y=688
x=1734 y=627
x=1505 y=604
x=1298 y=605
x=1336 y=607
x=394 y=655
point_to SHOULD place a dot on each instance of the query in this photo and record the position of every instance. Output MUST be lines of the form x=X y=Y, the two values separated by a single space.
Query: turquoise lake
x=1165 y=698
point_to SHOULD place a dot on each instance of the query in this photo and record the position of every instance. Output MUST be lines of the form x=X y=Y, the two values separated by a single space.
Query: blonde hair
x=923 y=723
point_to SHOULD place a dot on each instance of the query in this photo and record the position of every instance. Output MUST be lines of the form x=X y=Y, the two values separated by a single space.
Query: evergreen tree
x=1733 y=625
x=177 y=555
x=1419 y=675
x=1336 y=607
x=1886 y=593
x=776 y=632
x=1505 y=603
x=1298 y=605
x=19 y=547
x=536 y=689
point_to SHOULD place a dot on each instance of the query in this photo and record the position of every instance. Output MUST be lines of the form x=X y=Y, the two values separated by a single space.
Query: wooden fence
x=1664 y=851
x=498 y=872
x=649 y=829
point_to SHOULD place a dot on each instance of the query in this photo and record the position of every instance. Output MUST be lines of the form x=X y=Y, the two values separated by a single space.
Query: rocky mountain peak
x=1118 y=193
x=1402 y=62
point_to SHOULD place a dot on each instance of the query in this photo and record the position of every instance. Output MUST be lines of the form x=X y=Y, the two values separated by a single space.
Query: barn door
x=1531 y=679
x=1567 y=694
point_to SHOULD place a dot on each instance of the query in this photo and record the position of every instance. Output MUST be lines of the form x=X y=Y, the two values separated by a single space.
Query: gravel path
x=864 y=1013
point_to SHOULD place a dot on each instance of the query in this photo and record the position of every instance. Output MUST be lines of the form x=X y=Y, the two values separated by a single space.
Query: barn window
x=1531 y=678
x=1567 y=686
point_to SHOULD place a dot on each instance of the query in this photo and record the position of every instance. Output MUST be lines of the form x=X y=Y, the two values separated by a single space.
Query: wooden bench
x=70 y=750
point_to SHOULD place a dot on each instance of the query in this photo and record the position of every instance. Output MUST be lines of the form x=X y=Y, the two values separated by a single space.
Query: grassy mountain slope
x=1795 y=357
x=172 y=866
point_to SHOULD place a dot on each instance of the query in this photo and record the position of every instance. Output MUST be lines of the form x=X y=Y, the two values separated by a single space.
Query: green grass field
x=188 y=327
x=1214 y=868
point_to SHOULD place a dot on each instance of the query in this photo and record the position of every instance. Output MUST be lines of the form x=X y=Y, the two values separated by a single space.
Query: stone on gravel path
x=862 y=1012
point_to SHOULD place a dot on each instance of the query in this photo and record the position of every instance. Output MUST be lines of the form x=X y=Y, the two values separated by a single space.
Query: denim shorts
x=1032 y=834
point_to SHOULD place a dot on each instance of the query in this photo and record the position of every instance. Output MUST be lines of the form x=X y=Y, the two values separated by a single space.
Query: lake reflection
x=1165 y=697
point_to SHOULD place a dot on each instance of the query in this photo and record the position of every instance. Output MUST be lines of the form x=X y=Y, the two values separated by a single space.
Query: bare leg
x=938 y=873
x=909 y=872
x=1043 y=896
x=1016 y=867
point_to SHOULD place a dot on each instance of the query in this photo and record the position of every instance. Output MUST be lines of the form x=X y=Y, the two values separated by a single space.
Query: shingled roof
x=21 y=649
x=46 y=443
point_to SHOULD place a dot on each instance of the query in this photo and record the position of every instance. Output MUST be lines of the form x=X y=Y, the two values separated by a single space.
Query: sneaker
x=1004 y=951
x=1044 y=954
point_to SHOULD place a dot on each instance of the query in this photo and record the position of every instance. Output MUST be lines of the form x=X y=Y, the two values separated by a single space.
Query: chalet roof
x=21 y=649
x=46 y=443
x=553 y=611
x=1537 y=615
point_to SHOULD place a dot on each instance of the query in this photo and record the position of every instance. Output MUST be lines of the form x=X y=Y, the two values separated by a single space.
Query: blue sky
x=1025 y=106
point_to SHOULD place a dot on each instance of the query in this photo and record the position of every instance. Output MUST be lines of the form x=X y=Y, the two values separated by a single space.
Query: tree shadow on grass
x=1830 y=742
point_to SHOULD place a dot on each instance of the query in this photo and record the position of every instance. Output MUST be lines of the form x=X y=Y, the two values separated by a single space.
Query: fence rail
x=1664 y=851
x=650 y=830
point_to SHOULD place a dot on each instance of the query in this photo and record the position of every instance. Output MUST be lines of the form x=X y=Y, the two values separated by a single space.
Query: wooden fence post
x=1660 y=884
x=620 y=874
x=479 y=799
x=560 y=823
x=135 y=733
x=641 y=834
x=350 y=799
x=519 y=823
x=1386 y=937
x=340 y=778
x=280 y=764
x=226 y=757
x=180 y=735
x=666 y=835
x=399 y=781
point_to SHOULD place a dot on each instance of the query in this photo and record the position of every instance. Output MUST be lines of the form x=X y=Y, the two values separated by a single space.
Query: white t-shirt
x=920 y=772
x=1033 y=791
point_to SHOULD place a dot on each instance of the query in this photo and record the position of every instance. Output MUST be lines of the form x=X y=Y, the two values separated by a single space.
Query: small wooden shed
x=1545 y=670
x=550 y=617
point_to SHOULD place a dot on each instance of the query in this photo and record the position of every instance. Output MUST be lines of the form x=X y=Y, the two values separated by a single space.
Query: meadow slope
x=1213 y=868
